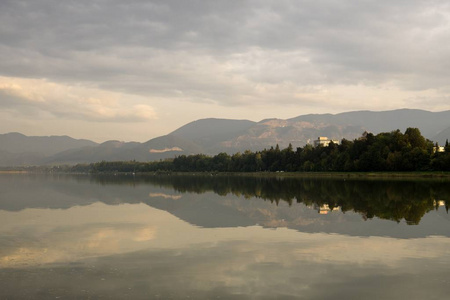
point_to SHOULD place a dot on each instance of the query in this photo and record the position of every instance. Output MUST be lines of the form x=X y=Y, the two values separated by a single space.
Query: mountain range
x=212 y=136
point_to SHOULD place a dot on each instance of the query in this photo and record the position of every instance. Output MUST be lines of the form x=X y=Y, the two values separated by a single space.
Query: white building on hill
x=438 y=149
x=324 y=141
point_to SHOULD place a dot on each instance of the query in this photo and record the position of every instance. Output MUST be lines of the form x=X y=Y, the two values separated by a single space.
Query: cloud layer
x=311 y=55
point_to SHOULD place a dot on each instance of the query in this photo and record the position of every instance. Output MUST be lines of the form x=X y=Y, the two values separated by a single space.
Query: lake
x=218 y=237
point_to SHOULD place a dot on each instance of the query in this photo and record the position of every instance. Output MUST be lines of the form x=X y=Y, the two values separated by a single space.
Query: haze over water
x=229 y=237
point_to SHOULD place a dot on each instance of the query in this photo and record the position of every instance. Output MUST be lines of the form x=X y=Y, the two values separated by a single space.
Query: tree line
x=388 y=151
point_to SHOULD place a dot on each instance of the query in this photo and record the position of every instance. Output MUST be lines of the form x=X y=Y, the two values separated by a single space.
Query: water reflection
x=394 y=200
x=206 y=237
x=386 y=199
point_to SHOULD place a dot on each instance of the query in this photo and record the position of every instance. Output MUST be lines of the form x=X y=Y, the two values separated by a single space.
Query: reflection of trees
x=392 y=200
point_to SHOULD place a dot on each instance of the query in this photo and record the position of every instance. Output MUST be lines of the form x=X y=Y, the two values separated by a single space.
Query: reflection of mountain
x=239 y=201
x=203 y=211
x=398 y=200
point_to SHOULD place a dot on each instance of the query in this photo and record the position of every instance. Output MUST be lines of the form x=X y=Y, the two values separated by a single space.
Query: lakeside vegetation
x=385 y=152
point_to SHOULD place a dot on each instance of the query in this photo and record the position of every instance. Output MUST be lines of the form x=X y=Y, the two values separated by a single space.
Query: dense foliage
x=392 y=151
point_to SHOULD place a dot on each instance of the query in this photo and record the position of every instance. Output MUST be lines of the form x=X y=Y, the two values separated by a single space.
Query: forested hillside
x=388 y=151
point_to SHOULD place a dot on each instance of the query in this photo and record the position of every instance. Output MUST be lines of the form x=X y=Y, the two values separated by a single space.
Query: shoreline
x=13 y=172
x=351 y=175
x=344 y=175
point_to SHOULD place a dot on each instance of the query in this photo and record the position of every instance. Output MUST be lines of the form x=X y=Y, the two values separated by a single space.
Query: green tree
x=415 y=138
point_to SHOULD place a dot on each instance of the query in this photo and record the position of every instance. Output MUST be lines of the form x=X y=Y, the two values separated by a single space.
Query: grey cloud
x=164 y=48
x=93 y=25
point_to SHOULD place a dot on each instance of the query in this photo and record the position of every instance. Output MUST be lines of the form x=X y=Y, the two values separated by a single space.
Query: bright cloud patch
x=42 y=98
x=165 y=150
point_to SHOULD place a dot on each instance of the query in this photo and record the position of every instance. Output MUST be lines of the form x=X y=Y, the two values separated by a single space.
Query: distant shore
x=380 y=175
x=354 y=175
x=13 y=172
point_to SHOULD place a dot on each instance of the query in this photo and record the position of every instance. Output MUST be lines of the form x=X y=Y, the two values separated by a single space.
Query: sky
x=134 y=70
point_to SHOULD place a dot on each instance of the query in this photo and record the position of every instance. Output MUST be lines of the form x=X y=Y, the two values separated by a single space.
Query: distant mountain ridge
x=18 y=149
x=212 y=136
x=15 y=142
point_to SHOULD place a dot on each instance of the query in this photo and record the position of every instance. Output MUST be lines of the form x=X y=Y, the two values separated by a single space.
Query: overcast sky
x=134 y=70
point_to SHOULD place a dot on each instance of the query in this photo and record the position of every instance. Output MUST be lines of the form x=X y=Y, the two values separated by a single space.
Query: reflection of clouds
x=145 y=234
x=165 y=196
x=234 y=269
x=79 y=243
x=23 y=257
x=137 y=250
x=264 y=269
x=45 y=236
x=113 y=238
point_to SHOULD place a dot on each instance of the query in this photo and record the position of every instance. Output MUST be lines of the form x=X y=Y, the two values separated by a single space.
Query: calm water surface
x=208 y=237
